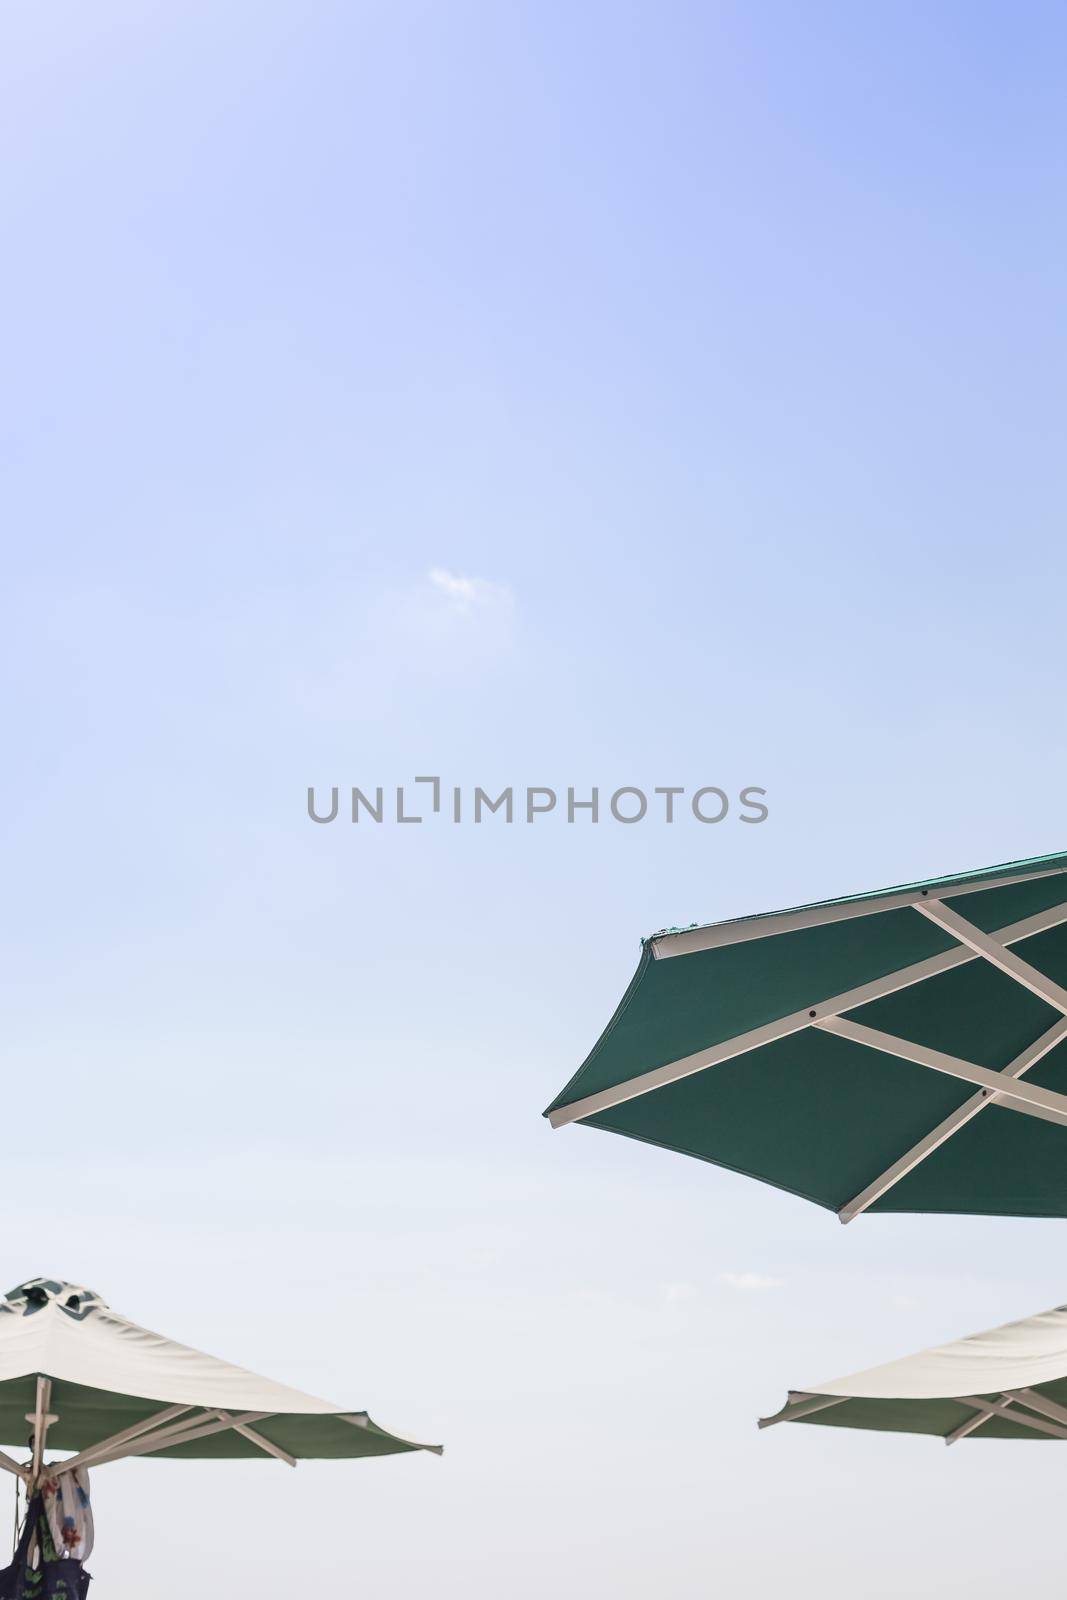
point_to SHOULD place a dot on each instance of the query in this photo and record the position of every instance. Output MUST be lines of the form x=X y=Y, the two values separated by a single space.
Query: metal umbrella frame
x=846 y=1050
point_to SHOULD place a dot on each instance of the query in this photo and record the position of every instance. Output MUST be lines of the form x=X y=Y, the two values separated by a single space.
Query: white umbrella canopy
x=79 y=1377
x=1006 y=1383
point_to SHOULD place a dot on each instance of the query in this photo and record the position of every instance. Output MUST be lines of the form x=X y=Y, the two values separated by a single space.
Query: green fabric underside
x=820 y=1116
x=86 y=1416
x=937 y=1417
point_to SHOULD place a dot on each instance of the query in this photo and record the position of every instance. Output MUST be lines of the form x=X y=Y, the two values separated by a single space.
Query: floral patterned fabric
x=70 y=1516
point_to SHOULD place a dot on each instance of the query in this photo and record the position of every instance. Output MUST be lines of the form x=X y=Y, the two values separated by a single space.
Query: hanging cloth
x=70 y=1516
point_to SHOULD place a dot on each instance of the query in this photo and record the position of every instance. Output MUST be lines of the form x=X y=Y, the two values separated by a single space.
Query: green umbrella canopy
x=902 y=1050
x=1010 y=1383
x=76 y=1376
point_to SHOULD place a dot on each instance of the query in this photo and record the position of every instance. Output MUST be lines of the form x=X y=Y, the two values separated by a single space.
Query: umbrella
x=1010 y=1383
x=902 y=1050
x=81 y=1378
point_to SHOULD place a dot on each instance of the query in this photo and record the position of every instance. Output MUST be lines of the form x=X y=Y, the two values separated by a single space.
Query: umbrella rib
x=805 y=1017
x=181 y=1433
x=805 y=1405
x=713 y=936
x=969 y=1424
x=1002 y=1408
x=221 y=1423
x=264 y=1444
x=992 y=950
x=1044 y=1103
x=1040 y=1403
x=952 y=1124
x=146 y=1425
x=97 y=1455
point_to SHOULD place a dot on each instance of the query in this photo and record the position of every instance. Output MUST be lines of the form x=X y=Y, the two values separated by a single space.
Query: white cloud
x=748 y=1282
x=470 y=594
x=441 y=622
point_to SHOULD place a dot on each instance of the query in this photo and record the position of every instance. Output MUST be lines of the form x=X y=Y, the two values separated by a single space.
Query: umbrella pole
x=41 y=1420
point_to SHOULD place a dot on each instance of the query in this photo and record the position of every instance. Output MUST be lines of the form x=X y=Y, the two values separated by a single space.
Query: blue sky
x=714 y=354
